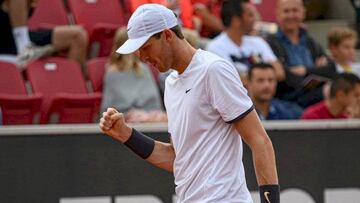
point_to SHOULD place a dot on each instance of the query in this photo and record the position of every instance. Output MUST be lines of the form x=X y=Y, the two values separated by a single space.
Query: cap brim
x=132 y=45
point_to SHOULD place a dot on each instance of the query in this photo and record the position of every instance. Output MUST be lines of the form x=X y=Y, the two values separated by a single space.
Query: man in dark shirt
x=300 y=55
x=262 y=86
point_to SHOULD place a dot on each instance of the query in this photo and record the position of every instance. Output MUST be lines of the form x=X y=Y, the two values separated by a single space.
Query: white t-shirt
x=223 y=46
x=201 y=103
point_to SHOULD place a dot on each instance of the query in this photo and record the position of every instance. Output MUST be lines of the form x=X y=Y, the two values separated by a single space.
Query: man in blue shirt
x=262 y=87
x=299 y=54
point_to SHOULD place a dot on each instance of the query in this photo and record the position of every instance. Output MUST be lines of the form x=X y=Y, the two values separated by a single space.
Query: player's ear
x=169 y=35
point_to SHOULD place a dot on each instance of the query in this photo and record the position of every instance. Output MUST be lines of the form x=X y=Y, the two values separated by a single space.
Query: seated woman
x=130 y=87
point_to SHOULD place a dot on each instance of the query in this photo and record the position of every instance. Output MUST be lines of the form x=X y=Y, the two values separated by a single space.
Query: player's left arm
x=253 y=133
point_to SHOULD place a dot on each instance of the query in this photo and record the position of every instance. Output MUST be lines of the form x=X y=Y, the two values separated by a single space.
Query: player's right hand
x=113 y=124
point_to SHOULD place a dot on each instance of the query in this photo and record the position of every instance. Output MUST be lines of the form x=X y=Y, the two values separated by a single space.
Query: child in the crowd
x=342 y=42
x=341 y=100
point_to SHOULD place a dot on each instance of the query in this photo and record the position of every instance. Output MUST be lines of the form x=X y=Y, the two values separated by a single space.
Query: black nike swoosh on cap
x=186 y=91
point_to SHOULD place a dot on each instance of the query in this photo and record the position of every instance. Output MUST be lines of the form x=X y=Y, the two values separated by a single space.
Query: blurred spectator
x=262 y=86
x=209 y=13
x=235 y=45
x=72 y=39
x=300 y=55
x=354 y=107
x=342 y=42
x=342 y=93
x=129 y=86
x=14 y=33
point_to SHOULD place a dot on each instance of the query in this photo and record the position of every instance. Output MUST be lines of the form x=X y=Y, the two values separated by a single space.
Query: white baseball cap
x=147 y=20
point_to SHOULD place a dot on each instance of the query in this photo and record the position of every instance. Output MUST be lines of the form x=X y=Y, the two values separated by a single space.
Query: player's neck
x=184 y=53
x=235 y=35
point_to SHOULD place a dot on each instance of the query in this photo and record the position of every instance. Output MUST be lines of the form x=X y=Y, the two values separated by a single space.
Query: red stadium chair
x=16 y=106
x=101 y=18
x=96 y=71
x=266 y=10
x=48 y=14
x=64 y=91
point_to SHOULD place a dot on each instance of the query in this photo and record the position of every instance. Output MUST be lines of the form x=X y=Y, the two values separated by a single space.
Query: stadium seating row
x=57 y=92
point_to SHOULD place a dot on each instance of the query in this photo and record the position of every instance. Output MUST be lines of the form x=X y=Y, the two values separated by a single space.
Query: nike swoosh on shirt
x=186 y=91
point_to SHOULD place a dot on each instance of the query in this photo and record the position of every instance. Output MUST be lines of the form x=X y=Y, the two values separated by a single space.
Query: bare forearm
x=279 y=71
x=261 y=147
x=163 y=156
x=264 y=161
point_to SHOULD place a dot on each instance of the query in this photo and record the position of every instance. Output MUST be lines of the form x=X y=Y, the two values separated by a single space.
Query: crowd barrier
x=318 y=162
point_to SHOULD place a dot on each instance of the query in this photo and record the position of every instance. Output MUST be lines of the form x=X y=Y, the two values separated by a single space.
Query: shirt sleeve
x=226 y=93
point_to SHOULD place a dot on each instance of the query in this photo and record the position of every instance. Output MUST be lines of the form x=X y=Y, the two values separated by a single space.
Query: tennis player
x=209 y=114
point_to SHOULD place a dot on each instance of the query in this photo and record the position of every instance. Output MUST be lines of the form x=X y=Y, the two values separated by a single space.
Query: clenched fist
x=113 y=124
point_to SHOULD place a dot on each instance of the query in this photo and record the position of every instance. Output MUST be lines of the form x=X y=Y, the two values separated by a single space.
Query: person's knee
x=80 y=36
